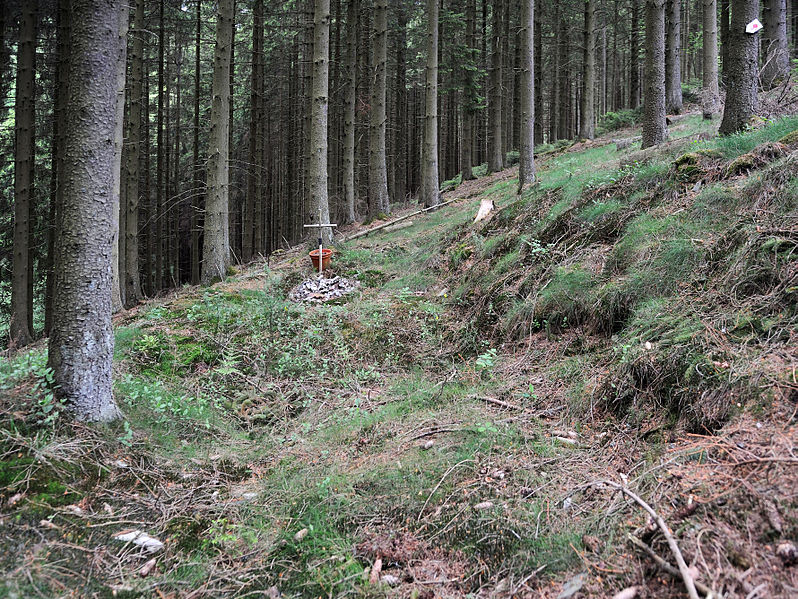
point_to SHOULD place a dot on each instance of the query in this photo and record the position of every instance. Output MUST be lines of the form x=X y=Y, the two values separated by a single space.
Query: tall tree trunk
x=400 y=158
x=350 y=94
x=81 y=341
x=526 y=165
x=196 y=202
x=725 y=14
x=654 y=131
x=588 y=129
x=673 y=48
x=564 y=75
x=253 y=180
x=160 y=149
x=57 y=170
x=378 y=170
x=470 y=94
x=135 y=114
x=216 y=245
x=538 y=79
x=710 y=100
x=495 y=158
x=118 y=246
x=320 y=207
x=634 y=59
x=430 y=188
x=24 y=161
x=741 y=94
x=776 y=54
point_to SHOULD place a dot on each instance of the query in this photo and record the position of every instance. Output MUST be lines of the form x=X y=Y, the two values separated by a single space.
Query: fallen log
x=398 y=220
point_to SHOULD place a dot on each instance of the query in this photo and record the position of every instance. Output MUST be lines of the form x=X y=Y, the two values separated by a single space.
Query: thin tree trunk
x=634 y=51
x=526 y=166
x=725 y=13
x=741 y=94
x=119 y=138
x=248 y=218
x=710 y=100
x=587 y=129
x=495 y=158
x=430 y=189
x=81 y=341
x=654 y=131
x=400 y=159
x=349 y=111
x=538 y=79
x=135 y=113
x=470 y=94
x=378 y=171
x=196 y=202
x=216 y=245
x=673 y=47
x=25 y=157
x=320 y=207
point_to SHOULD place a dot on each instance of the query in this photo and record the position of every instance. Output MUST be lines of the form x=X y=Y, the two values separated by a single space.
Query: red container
x=326 y=256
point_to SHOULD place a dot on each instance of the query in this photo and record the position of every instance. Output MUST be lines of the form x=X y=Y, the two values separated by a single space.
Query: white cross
x=320 y=226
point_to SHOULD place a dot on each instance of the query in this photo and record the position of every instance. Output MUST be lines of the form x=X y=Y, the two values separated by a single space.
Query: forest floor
x=461 y=424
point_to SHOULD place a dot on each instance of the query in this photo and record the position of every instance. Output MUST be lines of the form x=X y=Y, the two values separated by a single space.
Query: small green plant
x=486 y=360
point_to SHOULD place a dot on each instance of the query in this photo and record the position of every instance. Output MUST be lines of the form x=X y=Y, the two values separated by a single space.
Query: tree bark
x=776 y=53
x=470 y=94
x=654 y=131
x=495 y=158
x=248 y=220
x=741 y=94
x=634 y=51
x=710 y=100
x=724 y=39
x=81 y=341
x=216 y=245
x=673 y=48
x=135 y=114
x=350 y=94
x=320 y=207
x=538 y=79
x=588 y=129
x=378 y=170
x=25 y=157
x=400 y=157
x=430 y=188
x=526 y=165
x=118 y=245
x=196 y=202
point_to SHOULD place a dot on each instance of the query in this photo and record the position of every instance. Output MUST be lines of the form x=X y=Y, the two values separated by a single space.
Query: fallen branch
x=498 y=402
x=666 y=565
x=687 y=577
x=398 y=220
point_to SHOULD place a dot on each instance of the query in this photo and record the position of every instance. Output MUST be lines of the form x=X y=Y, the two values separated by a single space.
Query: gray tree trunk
x=378 y=170
x=588 y=129
x=495 y=158
x=25 y=157
x=634 y=51
x=526 y=167
x=248 y=220
x=470 y=94
x=135 y=114
x=81 y=341
x=320 y=207
x=742 y=84
x=216 y=244
x=776 y=53
x=710 y=95
x=349 y=111
x=430 y=188
x=196 y=203
x=673 y=49
x=118 y=247
x=654 y=131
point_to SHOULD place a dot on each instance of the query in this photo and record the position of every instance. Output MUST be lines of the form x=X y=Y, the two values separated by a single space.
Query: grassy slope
x=646 y=316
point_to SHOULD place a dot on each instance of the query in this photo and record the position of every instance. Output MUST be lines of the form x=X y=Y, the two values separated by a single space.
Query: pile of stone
x=322 y=289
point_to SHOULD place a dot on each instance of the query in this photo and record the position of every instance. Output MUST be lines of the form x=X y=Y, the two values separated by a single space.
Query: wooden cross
x=320 y=226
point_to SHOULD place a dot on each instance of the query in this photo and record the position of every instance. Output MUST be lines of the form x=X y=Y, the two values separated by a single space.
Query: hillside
x=455 y=426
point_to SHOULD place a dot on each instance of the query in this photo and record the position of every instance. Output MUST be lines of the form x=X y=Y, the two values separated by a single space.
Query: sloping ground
x=447 y=429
